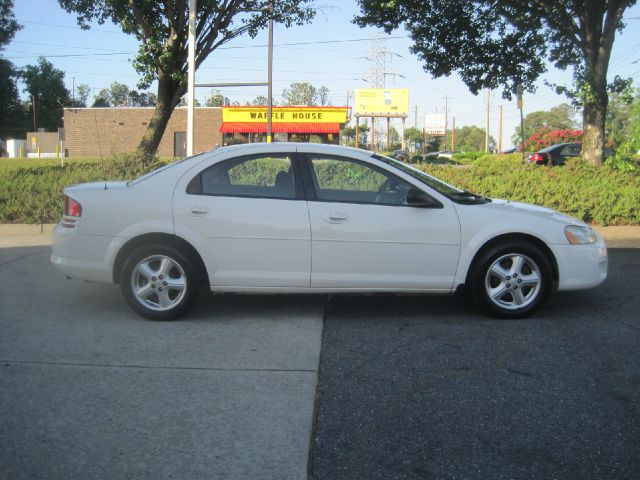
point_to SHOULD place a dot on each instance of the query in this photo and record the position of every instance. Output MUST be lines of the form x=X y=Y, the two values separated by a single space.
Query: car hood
x=519 y=208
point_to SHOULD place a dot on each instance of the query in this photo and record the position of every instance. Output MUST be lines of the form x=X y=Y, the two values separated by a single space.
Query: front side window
x=257 y=176
x=344 y=180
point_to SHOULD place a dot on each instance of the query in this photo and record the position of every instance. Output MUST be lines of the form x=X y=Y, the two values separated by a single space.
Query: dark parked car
x=401 y=155
x=556 y=154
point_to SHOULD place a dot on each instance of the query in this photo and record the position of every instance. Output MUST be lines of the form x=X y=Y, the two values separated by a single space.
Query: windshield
x=449 y=191
x=433 y=182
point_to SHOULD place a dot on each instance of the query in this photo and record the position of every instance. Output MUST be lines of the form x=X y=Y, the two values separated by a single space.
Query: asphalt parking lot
x=89 y=390
x=409 y=387
x=422 y=388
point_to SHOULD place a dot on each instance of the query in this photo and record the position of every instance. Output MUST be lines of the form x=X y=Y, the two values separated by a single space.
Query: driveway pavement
x=90 y=390
x=411 y=387
x=426 y=388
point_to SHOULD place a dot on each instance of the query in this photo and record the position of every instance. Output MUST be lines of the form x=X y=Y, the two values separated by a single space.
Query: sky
x=330 y=51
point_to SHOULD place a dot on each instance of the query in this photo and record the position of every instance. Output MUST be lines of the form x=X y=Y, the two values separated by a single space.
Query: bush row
x=606 y=196
x=31 y=192
x=603 y=196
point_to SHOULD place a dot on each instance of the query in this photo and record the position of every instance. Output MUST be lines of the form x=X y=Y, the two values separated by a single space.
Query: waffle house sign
x=284 y=119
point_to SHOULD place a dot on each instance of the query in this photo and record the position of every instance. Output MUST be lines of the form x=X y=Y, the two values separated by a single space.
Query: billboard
x=435 y=124
x=382 y=101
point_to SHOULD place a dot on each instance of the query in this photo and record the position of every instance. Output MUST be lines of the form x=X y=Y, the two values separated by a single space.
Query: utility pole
x=446 y=121
x=519 y=103
x=270 y=73
x=500 y=129
x=486 y=133
x=33 y=105
x=415 y=118
x=191 y=76
x=73 y=90
x=453 y=134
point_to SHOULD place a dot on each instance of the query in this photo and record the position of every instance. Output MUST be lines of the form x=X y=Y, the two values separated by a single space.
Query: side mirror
x=418 y=198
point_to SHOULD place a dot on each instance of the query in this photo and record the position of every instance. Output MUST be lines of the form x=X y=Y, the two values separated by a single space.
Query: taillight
x=72 y=208
x=536 y=158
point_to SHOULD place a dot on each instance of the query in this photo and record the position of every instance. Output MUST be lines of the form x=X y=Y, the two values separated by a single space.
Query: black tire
x=166 y=280
x=511 y=280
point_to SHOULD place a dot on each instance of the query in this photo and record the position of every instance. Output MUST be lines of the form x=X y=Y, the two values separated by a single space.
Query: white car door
x=365 y=237
x=251 y=217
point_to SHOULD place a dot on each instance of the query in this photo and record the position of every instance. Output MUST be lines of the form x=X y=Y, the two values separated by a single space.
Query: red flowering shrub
x=547 y=137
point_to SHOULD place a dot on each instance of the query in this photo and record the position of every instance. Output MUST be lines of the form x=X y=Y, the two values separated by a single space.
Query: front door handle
x=196 y=211
x=335 y=217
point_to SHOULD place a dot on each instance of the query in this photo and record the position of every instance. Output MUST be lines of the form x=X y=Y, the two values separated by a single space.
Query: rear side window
x=257 y=176
x=571 y=151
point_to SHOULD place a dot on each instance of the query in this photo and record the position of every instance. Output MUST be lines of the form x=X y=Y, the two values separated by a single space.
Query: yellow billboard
x=286 y=114
x=382 y=101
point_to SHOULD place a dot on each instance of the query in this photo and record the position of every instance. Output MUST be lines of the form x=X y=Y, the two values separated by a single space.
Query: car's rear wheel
x=511 y=280
x=159 y=282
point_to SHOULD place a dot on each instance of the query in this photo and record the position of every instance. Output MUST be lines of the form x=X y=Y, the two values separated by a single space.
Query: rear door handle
x=335 y=217
x=196 y=211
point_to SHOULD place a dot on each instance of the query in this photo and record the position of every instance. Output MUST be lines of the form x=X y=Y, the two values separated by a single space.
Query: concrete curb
x=24 y=235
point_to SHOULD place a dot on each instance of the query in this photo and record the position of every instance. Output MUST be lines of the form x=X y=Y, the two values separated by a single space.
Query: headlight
x=577 y=235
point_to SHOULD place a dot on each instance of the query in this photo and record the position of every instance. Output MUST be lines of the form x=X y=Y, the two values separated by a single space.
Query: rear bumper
x=85 y=257
x=581 y=266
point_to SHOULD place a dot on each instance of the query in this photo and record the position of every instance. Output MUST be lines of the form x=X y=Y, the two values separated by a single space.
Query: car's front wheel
x=511 y=280
x=159 y=282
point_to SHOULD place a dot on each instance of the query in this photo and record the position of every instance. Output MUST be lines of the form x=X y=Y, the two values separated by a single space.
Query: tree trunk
x=594 y=115
x=169 y=94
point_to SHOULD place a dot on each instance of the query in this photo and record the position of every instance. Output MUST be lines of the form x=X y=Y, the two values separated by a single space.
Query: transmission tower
x=377 y=76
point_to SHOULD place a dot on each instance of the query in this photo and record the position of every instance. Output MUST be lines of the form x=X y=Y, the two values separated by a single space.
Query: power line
x=73 y=27
x=321 y=42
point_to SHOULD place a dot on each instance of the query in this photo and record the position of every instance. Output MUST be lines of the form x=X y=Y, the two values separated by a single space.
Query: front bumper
x=581 y=266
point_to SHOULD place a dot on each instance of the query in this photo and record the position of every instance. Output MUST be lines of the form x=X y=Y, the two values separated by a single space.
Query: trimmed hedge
x=31 y=190
x=33 y=194
x=603 y=196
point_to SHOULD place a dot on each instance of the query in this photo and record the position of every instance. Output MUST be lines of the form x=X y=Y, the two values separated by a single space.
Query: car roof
x=558 y=145
x=291 y=147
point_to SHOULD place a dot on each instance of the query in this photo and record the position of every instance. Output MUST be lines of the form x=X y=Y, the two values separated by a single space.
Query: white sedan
x=304 y=218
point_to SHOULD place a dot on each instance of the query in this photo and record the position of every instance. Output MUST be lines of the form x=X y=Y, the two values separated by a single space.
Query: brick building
x=99 y=132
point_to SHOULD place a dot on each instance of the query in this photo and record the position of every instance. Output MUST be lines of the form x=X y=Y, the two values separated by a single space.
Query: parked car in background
x=401 y=155
x=312 y=218
x=555 y=154
x=442 y=153
x=510 y=150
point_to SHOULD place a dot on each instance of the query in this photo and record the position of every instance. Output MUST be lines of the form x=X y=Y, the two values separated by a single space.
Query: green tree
x=8 y=23
x=322 y=96
x=101 y=100
x=142 y=99
x=183 y=102
x=300 y=93
x=120 y=95
x=11 y=113
x=504 y=44
x=161 y=27
x=472 y=138
x=80 y=96
x=216 y=100
x=259 y=101
x=619 y=118
x=45 y=85
x=557 y=118
x=413 y=136
x=627 y=156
